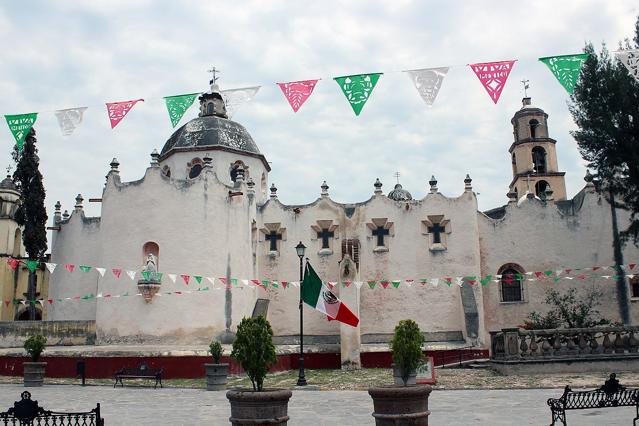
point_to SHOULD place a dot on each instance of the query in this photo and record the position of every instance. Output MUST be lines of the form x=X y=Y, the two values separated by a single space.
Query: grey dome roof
x=211 y=131
x=7 y=183
x=399 y=194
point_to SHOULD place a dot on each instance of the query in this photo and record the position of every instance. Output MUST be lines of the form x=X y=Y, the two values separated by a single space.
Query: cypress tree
x=31 y=214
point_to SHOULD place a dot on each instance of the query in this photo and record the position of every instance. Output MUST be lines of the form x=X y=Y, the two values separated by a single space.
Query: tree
x=605 y=107
x=569 y=310
x=31 y=214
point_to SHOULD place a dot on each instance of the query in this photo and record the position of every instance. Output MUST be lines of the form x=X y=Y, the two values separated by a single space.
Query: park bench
x=28 y=412
x=611 y=394
x=142 y=371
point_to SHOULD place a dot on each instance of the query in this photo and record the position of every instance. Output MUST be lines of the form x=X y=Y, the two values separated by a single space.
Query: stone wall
x=58 y=333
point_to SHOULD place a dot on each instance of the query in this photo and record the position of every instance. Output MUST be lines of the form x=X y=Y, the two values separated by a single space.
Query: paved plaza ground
x=175 y=406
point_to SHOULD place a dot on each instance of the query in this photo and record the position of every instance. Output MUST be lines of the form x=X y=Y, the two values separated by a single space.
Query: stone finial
x=65 y=215
x=114 y=165
x=378 y=187
x=324 y=189
x=78 y=202
x=433 y=184
x=155 y=156
x=57 y=206
x=512 y=197
x=548 y=194
x=57 y=214
x=250 y=188
x=590 y=184
x=208 y=161
x=239 y=177
x=273 y=191
x=467 y=183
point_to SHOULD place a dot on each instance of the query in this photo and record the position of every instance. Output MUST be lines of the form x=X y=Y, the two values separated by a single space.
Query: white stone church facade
x=204 y=207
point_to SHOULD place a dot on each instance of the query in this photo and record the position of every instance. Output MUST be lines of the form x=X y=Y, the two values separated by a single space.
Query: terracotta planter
x=400 y=405
x=216 y=375
x=269 y=406
x=397 y=375
x=33 y=373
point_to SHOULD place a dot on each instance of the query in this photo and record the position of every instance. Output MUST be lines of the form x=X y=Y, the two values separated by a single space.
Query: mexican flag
x=317 y=295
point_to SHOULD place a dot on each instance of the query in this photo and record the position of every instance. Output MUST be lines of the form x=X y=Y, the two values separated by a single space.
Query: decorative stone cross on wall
x=380 y=227
x=437 y=228
x=325 y=230
x=272 y=234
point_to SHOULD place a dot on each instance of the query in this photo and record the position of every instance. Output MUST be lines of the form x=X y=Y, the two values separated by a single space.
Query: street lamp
x=301 y=380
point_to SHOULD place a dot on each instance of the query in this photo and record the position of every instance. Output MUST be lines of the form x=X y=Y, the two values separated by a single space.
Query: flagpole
x=301 y=380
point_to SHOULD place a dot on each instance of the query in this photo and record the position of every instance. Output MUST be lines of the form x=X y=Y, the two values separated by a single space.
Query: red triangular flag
x=13 y=263
x=493 y=76
x=50 y=301
x=284 y=283
x=69 y=267
x=258 y=283
x=118 y=110
x=297 y=92
x=581 y=277
x=186 y=278
x=632 y=265
x=117 y=272
x=539 y=275
x=594 y=268
x=568 y=271
x=224 y=281
x=6 y=302
x=384 y=283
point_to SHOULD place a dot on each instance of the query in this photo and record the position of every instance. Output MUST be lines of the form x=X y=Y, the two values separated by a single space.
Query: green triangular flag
x=146 y=275
x=20 y=125
x=85 y=268
x=566 y=68
x=126 y=293
x=371 y=284
x=32 y=265
x=177 y=106
x=265 y=283
x=157 y=276
x=234 y=282
x=204 y=289
x=198 y=278
x=486 y=279
x=396 y=283
x=358 y=88
x=548 y=273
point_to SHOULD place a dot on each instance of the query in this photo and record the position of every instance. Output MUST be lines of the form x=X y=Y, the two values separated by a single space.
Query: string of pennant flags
x=357 y=89
x=607 y=272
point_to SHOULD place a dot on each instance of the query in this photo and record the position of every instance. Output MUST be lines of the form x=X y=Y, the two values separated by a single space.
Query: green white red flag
x=317 y=295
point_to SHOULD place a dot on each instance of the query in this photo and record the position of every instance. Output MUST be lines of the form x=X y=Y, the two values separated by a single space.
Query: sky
x=62 y=54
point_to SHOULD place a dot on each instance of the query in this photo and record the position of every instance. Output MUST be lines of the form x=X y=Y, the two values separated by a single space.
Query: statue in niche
x=150 y=284
x=151 y=264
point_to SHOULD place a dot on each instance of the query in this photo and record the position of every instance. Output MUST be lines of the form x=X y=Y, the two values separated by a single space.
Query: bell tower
x=533 y=154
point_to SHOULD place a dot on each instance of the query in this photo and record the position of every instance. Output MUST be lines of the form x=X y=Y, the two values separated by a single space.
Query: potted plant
x=216 y=373
x=34 y=370
x=253 y=349
x=404 y=402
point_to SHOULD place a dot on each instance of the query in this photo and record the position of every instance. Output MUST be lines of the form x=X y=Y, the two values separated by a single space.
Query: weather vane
x=214 y=71
x=8 y=170
x=526 y=86
x=396 y=176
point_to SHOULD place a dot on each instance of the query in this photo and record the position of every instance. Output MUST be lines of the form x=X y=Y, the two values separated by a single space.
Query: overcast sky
x=64 y=53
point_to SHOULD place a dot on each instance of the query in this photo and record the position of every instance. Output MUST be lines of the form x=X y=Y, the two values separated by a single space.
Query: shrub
x=34 y=346
x=406 y=346
x=215 y=349
x=253 y=349
x=569 y=310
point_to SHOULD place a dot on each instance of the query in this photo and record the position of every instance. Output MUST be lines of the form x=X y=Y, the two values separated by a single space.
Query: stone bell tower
x=534 y=158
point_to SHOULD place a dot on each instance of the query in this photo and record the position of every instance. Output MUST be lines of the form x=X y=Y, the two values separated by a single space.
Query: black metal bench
x=142 y=371
x=28 y=412
x=611 y=394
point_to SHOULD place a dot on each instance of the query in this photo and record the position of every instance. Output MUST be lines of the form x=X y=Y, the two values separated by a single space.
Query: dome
x=211 y=131
x=7 y=183
x=399 y=194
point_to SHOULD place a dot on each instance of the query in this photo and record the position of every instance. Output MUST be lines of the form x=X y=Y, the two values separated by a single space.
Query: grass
x=365 y=378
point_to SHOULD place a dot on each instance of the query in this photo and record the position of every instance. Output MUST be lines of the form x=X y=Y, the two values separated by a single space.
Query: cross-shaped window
x=273 y=236
x=436 y=230
x=379 y=232
x=325 y=234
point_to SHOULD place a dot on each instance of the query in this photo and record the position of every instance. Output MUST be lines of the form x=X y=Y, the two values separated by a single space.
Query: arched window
x=514 y=162
x=540 y=188
x=195 y=168
x=539 y=159
x=239 y=164
x=511 y=284
x=263 y=185
x=17 y=243
x=153 y=248
x=23 y=315
x=533 y=128
x=167 y=171
x=209 y=108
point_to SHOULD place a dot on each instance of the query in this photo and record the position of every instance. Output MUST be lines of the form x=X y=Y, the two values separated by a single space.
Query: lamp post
x=301 y=380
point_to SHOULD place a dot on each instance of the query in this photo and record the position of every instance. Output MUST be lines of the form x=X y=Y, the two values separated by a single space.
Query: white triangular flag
x=630 y=58
x=295 y=283
x=235 y=98
x=245 y=282
x=131 y=274
x=630 y=276
x=428 y=81
x=459 y=281
x=172 y=277
x=434 y=282
x=359 y=284
x=69 y=119
x=409 y=283
x=101 y=271
x=559 y=272
x=98 y=296
x=51 y=267
x=211 y=280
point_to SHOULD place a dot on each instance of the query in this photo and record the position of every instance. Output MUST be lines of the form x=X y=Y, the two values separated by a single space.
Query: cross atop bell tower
x=212 y=103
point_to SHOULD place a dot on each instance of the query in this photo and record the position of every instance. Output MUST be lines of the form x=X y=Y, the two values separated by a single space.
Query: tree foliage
x=568 y=310
x=605 y=107
x=253 y=348
x=34 y=346
x=406 y=346
x=31 y=214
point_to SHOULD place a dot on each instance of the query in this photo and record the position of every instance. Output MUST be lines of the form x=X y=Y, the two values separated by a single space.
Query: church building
x=205 y=207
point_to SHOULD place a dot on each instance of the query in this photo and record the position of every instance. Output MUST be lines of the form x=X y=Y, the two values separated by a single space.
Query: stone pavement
x=171 y=406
